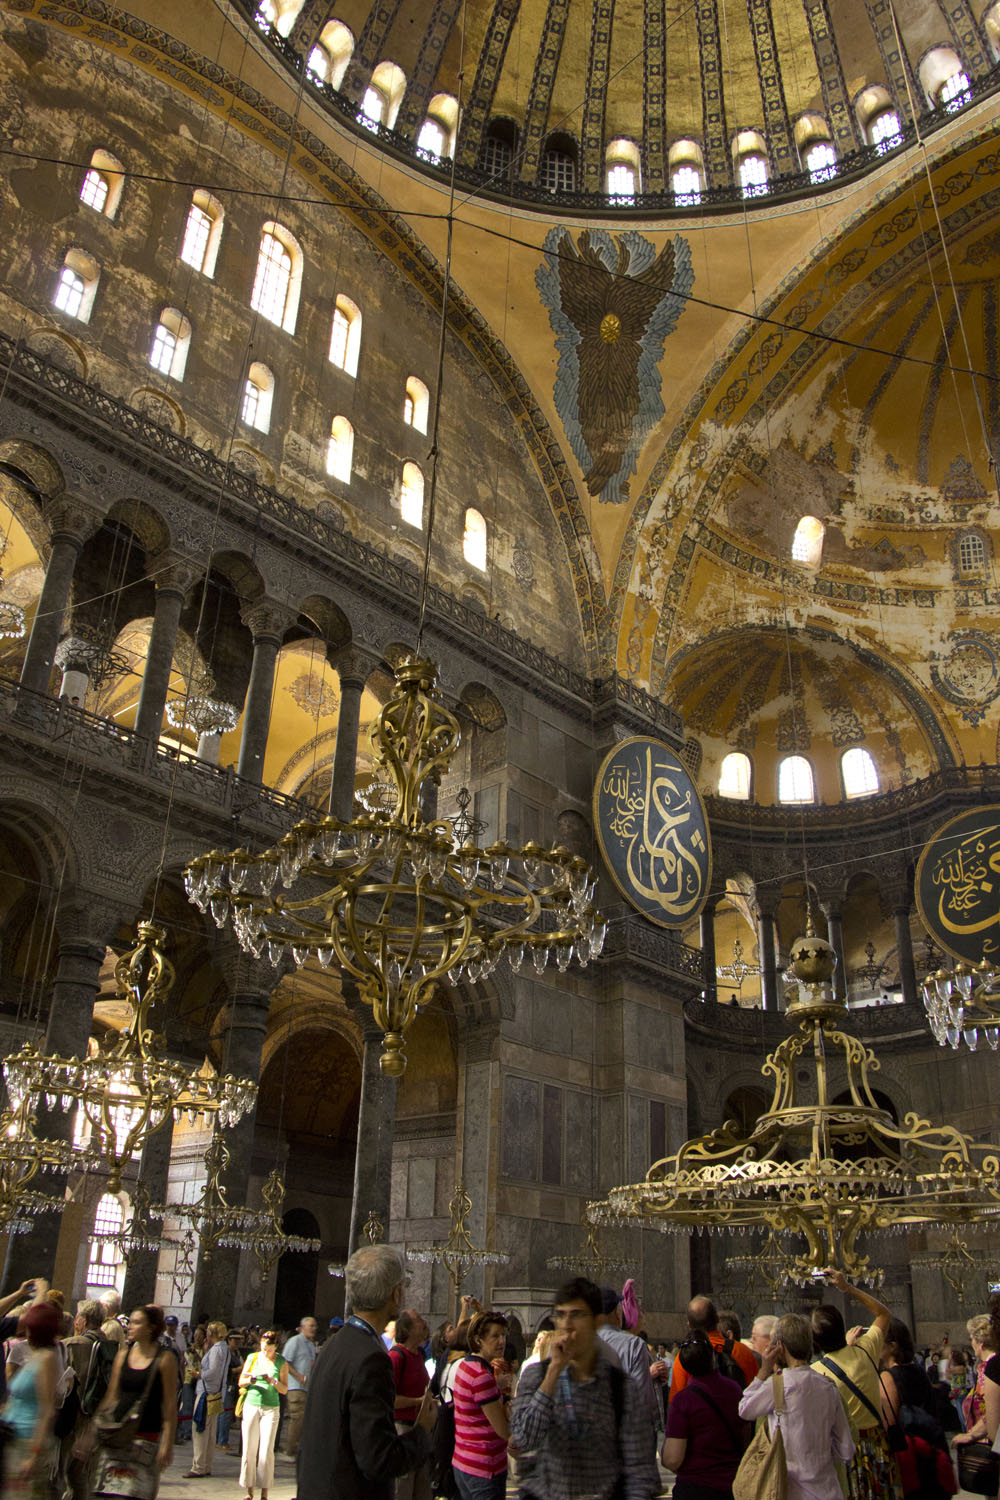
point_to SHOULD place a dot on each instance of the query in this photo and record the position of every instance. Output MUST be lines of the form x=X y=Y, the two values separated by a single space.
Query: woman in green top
x=264 y=1378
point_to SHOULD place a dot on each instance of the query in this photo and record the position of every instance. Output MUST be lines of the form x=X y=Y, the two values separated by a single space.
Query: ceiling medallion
x=821 y=1171
x=399 y=901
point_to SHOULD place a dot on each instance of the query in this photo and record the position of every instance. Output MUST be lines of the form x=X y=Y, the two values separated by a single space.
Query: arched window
x=102 y=184
x=734 y=776
x=77 y=285
x=807 y=543
x=821 y=161
x=437 y=134
x=499 y=148
x=971 y=553
x=411 y=496
x=944 y=79
x=280 y=14
x=328 y=60
x=474 y=540
x=383 y=96
x=258 y=393
x=415 y=404
x=859 y=773
x=171 y=341
x=340 y=450
x=795 y=780
x=557 y=172
x=750 y=156
x=105 y=1258
x=622 y=166
x=202 y=232
x=345 y=335
x=884 y=132
x=687 y=172
x=991 y=25
x=278 y=279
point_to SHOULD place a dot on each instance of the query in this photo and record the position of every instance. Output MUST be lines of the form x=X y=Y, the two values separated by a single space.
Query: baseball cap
x=336 y=1322
x=170 y=1320
x=610 y=1299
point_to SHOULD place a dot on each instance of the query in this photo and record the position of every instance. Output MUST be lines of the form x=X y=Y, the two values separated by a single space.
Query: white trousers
x=260 y=1428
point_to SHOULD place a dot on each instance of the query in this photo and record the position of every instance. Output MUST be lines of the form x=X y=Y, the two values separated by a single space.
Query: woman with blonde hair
x=209 y=1391
x=974 y=1405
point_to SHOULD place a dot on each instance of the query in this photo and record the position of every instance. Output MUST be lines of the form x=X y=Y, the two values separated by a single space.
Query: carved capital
x=171 y=573
x=72 y=519
x=90 y=920
x=353 y=665
x=267 y=619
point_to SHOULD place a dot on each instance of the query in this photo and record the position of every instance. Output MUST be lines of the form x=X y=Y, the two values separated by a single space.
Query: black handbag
x=978 y=1468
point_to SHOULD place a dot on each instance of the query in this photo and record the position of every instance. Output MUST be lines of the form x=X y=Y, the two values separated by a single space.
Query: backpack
x=98 y=1376
x=726 y=1365
x=442 y=1440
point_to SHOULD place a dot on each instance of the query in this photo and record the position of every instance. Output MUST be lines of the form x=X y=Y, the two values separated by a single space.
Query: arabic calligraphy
x=653 y=831
x=958 y=885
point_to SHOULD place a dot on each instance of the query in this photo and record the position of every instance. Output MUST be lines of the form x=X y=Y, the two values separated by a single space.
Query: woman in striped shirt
x=481 y=1425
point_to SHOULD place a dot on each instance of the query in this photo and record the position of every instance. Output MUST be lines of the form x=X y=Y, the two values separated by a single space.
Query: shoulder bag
x=763 y=1470
x=119 y=1435
x=894 y=1434
x=241 y=1399
x=978 y=1468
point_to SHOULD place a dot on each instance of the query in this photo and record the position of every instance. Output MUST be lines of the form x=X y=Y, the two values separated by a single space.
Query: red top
x=478 y=1448
x=410 y=1378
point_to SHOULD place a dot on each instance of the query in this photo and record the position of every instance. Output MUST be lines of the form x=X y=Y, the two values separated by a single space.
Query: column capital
x=832 y=906
x=352 y=664
x=172 y=574
x=89 y=920
x=72 y=520
x=267 y=619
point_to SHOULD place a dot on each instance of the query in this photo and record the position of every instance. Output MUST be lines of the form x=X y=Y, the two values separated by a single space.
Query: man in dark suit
x=350 y=1449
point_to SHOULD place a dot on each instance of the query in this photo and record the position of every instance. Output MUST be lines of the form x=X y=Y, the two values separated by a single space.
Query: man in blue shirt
x=300 y=1351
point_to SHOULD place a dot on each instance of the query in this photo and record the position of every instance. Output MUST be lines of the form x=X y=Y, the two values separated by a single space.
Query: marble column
x=353 y=668
x=267 y=633
x=170 y=594
x=706 y=926
x=71 y=1016
x=376 y=1134
x=154 y=1170
x=47 y=624
x=768 y=968
x=904 y=947
x=215 y=1281
x=835 y=937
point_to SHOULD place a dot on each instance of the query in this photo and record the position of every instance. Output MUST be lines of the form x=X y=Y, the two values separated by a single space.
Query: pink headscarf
x=631 y=1315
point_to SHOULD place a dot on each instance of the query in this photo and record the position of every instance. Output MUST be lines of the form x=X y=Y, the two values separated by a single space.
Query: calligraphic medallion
x=653 y=831
x=957 y=885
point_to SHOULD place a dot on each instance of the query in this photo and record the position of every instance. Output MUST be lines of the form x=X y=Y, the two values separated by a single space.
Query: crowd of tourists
x=95 y=1403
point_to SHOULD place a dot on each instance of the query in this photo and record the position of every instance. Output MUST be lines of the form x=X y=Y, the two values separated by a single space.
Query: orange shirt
x=741 y=1354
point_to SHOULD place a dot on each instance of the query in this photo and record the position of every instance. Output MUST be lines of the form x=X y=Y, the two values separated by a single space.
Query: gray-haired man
x=350 y=1449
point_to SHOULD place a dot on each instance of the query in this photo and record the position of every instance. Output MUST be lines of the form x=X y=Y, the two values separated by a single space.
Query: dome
x=542 y=102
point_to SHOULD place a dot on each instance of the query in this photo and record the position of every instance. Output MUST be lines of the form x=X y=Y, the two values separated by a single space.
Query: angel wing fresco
x=612 y=302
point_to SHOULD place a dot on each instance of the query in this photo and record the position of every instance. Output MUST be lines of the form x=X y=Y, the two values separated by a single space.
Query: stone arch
x=145 y=522
x=36 y=469
x=242 y=574
x=326 y=619
x=51 y=834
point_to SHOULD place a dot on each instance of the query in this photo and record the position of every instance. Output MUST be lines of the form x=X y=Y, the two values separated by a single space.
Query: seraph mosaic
x=612 y=303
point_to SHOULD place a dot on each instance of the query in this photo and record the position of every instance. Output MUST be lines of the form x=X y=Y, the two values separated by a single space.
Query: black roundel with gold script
x=957 y=885
x=653 y=831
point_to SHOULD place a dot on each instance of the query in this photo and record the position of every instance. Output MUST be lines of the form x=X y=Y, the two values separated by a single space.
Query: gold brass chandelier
x=23 y=1156
x=221 y=1225
x=590 y=1259
x=458 y=1254
x=128 y=1088
x=396 y=899
x=821 y=1171
x=963 y=1004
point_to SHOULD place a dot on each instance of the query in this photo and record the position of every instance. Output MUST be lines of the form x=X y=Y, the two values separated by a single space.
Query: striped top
x=478 y=1449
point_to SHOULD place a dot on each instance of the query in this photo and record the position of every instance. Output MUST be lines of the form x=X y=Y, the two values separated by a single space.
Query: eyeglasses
x=572 y=1314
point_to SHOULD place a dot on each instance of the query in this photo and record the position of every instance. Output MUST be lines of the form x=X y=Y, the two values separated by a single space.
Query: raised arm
x=880 y=1314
